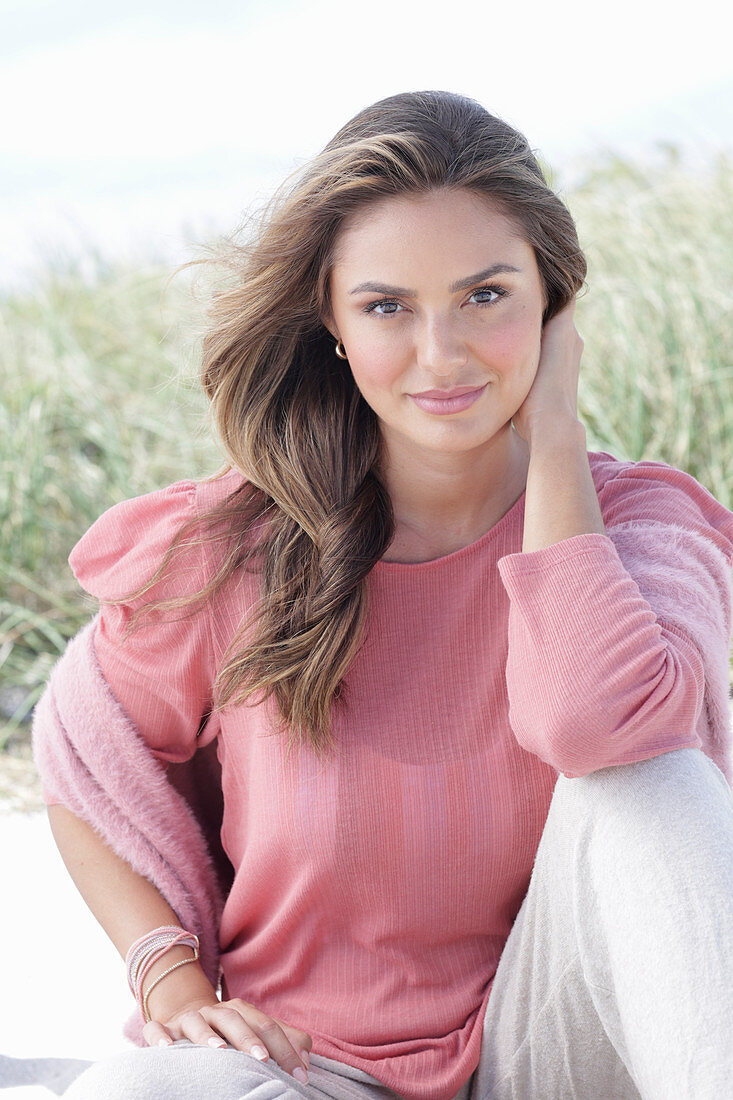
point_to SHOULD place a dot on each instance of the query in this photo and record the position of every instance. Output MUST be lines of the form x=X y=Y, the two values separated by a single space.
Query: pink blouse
x=373 y=895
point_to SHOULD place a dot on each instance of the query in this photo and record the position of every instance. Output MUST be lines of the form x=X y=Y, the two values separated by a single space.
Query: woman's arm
x=127 y=905
x=560 y=497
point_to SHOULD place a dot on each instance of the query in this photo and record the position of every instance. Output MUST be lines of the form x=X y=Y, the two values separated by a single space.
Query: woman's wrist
x=184 y=984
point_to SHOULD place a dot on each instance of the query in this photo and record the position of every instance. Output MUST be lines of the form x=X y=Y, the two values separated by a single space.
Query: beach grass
x=101 y=402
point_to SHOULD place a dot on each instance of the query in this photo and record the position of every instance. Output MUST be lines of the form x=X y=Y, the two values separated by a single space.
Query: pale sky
x=143 y=126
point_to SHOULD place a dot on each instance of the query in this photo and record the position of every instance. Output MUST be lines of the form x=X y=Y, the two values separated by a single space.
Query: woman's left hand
x=553 y=396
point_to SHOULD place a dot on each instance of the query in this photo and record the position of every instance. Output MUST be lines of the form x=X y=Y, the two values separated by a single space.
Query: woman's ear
x=328 y=322
x=325 y=315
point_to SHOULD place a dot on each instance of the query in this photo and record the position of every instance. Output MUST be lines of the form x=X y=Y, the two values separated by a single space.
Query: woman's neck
x=444 y=502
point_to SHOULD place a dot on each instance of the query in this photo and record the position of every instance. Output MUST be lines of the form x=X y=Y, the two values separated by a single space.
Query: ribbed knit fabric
x=373 y=894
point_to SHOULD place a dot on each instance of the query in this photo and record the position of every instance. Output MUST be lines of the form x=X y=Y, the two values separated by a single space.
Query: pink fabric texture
x=371 y=897
x=93 y=760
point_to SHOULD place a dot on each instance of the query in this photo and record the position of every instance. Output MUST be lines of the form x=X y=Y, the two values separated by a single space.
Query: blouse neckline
x=464 y=551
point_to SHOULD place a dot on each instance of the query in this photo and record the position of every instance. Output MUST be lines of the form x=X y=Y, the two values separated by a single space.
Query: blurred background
x=135 y=133
x=132 y=135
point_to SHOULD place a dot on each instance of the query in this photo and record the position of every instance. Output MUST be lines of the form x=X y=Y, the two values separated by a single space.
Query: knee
x=122 y=1075
x=685 y=779
x=183 y=1070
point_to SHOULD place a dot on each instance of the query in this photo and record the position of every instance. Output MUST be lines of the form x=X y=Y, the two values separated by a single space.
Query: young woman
x=466 y=681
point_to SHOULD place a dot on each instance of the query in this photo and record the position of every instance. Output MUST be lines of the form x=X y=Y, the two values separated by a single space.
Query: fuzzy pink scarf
x=164 y=823
x=686 y=579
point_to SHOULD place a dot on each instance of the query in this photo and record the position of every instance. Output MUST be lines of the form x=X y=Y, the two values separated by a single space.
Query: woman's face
x=437 y=292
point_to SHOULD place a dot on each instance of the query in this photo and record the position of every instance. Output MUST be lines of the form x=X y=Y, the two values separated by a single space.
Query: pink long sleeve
x=162 y=674
x=593 y=679
x=597 y=674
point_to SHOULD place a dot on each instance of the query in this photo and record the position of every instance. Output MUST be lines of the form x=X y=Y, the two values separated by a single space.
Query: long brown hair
x=289 y=415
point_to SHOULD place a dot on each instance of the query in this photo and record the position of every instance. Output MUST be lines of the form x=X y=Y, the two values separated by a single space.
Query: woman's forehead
x=458 y=221
x=457 y=201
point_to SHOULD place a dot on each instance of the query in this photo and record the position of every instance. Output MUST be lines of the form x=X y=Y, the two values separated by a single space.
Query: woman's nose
x=439 y=348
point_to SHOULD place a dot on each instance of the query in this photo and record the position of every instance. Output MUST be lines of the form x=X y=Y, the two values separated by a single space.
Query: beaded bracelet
x=181 y=962
x=142 y=950
x=146 y=951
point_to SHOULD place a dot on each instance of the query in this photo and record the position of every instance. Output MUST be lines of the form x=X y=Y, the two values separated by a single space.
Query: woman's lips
x=447 y=404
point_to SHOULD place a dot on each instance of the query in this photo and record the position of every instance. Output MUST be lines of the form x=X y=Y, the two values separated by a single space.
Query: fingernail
x=259 y=1052
x=305 y=1056
x=300 y=1074
x=214 y=1042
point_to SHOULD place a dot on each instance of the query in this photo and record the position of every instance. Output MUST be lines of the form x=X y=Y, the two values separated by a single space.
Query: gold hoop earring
x=340 y=350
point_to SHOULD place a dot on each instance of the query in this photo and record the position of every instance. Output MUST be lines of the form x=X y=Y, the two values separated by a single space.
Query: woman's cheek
x=511 y=349
x=375 y=369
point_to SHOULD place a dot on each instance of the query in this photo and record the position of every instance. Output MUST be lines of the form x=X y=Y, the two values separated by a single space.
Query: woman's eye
x=496 y=291
x=373 y=307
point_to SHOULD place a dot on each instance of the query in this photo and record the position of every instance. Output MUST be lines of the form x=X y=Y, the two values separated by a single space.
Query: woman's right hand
x=242 y=1025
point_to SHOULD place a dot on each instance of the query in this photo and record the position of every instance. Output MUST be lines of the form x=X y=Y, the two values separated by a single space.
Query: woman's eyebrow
x=461 y=284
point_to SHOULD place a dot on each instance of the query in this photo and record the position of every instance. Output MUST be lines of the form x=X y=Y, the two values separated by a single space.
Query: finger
x=281 y=1048
x=226 y=1024
x=192 y=1025
x=270 y=1032
x=301 y=1041
x=155 y=1035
